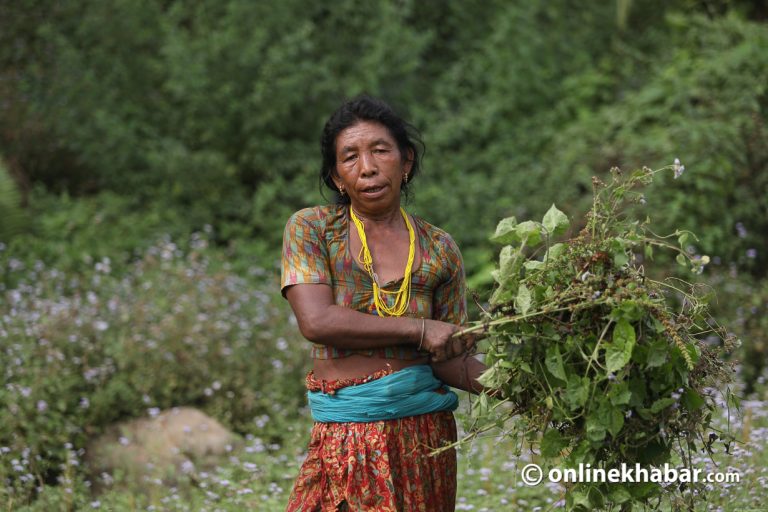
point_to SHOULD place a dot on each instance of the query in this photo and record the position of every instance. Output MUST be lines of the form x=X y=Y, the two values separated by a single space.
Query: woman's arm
x=322 y=321
x=460 y=373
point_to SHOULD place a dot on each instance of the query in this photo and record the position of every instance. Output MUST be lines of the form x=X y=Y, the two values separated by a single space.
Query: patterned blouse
x=316 y=250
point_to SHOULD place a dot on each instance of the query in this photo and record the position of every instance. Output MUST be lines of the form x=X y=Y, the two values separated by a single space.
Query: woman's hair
x=366 y=108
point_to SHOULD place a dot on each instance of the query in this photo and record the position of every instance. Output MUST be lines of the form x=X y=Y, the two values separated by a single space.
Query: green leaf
x=615 y=419
x=523 y=300
x=578 y=499
x=648 y=251
x=505 y=232
x=691 y=400
x=529 y=232
x=683 y=240
x=644 y=489
x=619 y=494
x=552 y=443
x=508 y=275
x=606 y=418
x=525 y=367
x=492 y=377
x=619 y=394
x=533 y=264
x=510 y=261
x=637 y=387
x=554 y=252
x=682 y=260
x=582 y=454
x=618 y=353
x=627 y=309
x=595 y=428
x=554 y=362
x=618 y=248
x=657 y=354
x=661 y=404
x=577 y=391
x=555 y=221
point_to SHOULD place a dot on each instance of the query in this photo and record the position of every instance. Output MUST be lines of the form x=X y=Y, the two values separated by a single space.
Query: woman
x=380 y=293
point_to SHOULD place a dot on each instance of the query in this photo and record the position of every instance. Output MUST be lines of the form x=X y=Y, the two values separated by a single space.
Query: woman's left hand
x=441 y=341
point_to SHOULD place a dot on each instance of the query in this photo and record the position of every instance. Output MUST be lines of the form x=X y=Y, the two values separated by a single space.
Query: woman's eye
x=349 y=158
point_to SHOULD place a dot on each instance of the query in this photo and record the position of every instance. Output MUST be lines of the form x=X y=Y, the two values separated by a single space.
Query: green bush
x=705 y=102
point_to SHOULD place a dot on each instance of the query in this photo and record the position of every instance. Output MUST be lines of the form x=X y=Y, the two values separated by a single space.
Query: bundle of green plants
x=600 y=361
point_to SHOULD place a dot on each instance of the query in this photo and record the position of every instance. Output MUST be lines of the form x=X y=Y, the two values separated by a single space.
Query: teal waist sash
x=409 y=392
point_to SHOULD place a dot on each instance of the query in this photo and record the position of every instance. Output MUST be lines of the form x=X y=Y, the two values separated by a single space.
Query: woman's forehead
x=363 y=133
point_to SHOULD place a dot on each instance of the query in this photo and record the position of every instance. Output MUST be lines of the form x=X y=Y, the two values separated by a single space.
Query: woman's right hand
x=440 y=342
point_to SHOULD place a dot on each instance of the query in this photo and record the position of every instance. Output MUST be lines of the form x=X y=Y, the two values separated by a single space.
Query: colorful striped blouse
x=316 y=251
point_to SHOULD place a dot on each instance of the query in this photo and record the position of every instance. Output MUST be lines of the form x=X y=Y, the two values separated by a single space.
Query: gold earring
x=341 y=190
x=405 y=178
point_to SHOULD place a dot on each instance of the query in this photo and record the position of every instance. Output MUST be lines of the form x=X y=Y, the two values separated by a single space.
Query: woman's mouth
x=372 y=191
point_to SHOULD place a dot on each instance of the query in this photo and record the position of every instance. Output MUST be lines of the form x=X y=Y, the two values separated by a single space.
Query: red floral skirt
x=381 y=466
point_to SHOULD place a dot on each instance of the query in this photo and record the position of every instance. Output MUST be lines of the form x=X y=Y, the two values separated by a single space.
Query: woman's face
x=369 y=167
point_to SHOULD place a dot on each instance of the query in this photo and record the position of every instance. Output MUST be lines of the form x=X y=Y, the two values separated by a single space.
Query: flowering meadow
x=82 y=350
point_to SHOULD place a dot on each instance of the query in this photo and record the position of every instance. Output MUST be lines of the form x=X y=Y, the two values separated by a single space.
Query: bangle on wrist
x=423 y=325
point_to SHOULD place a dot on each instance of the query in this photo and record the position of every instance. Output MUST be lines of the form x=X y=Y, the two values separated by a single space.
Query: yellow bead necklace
x=402 y=296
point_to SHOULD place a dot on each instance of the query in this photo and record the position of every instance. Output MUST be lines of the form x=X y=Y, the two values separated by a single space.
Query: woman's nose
x=367 y=164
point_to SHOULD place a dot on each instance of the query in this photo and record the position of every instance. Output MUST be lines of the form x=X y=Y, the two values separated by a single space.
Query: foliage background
x=126 y=124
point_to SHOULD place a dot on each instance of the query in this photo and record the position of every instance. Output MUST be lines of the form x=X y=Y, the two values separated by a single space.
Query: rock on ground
x=176 y=441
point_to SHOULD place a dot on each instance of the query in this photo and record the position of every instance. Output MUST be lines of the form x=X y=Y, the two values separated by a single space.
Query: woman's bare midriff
x=358 y=365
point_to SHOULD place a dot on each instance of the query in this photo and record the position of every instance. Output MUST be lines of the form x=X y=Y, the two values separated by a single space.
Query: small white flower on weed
x=187 y=466
x=124 y=441
x=153 y=412
x=100 y=325
x=678 y=168
x=42 y=406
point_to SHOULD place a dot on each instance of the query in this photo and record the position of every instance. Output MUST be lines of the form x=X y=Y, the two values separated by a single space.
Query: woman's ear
x=408 y=163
